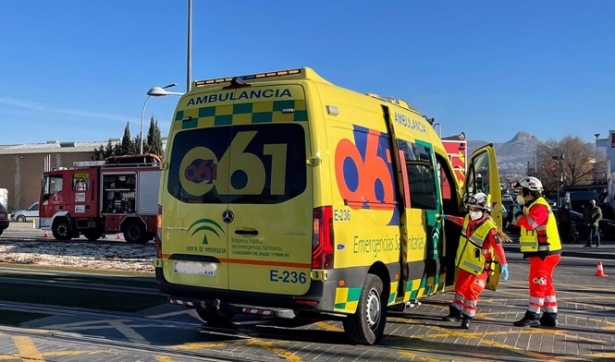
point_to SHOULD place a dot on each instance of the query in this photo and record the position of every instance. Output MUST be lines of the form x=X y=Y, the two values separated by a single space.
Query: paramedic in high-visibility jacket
x=478 y=242
x=540 y=244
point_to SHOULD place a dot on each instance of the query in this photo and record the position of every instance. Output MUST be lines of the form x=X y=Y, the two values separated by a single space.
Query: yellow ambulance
x=285 y=195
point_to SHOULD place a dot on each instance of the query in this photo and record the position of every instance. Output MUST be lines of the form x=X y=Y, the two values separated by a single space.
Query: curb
x=575 y=254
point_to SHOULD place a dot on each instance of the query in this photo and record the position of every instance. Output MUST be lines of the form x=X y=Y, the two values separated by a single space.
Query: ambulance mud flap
x=222 y=308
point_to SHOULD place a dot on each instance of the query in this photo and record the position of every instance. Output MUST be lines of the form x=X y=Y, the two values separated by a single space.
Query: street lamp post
x=189 y=53
x=154 y=92
x=560 y=184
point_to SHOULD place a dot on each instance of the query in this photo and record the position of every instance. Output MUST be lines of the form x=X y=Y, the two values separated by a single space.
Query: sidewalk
x=605 y=251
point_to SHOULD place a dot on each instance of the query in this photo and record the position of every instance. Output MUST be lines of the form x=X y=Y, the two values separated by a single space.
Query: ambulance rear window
x=253 y=164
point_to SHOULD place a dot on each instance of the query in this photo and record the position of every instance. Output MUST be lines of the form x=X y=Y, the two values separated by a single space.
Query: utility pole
x=189 y=53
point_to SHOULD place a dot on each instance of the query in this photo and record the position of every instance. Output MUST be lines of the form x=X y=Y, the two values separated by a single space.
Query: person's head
x=476 y=205
x=530 y=188
x=592 y=203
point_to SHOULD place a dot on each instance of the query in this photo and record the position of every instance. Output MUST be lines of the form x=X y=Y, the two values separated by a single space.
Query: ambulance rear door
x=270 y=213
x=483 y=176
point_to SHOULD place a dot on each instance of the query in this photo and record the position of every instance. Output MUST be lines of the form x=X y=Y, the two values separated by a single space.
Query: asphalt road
x=170 y=333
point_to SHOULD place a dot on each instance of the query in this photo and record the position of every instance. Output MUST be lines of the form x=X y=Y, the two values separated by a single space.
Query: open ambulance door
x=483 y=176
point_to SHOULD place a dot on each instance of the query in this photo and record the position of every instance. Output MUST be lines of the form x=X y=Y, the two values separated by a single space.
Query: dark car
x=4 y=219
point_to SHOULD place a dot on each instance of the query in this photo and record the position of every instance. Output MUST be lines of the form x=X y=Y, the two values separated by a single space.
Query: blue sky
x=79 y=70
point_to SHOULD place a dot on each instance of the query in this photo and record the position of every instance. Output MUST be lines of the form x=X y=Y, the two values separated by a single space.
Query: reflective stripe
x=527 y=243
x=550 y=299
x=486 y=251
x=530 y=220
x=474 y=267
x=550 y=309
x=476 y=240
x=538 y=301
x=541 y=228
x=459 y=307
x=471 y=303
x=543 y=247
x=533 y=308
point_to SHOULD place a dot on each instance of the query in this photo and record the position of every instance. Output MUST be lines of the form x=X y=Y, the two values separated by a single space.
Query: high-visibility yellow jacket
x=542 y=238
x=470 y=253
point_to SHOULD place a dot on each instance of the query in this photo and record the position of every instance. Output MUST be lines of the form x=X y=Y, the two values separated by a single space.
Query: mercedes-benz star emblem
x=228 y=216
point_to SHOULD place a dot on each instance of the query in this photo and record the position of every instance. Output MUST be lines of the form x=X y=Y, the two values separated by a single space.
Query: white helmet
x=531 y=183
x=477 y=200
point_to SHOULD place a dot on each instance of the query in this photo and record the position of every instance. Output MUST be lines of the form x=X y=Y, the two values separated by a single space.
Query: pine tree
x=102 y=152
x=98 y=153
x=127 y=145
x=154 y=140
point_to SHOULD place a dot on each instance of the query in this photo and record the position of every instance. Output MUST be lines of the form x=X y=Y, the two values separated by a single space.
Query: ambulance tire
x=134 y=232
x=215 y=319
x=62 y=230
x=366 y=326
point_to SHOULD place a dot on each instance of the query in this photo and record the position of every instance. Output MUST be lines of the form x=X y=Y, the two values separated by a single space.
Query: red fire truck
x=456 y=147
x=93 y=198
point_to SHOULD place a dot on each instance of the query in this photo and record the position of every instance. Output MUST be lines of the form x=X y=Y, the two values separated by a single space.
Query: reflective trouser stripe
x=470 y=308
x=550 y=305
x=458 y=301
x=535 y=304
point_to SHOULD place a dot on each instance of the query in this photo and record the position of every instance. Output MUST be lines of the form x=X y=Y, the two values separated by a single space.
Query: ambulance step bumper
x=225 y=308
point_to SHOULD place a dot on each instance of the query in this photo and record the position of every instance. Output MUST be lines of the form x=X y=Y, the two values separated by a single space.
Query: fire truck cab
x=94 y=198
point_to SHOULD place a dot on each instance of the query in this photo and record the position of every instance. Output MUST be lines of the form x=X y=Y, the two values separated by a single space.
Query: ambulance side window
x=421 y=175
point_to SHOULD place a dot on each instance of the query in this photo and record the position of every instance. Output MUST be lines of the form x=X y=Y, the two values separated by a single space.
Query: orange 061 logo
x=363 y=170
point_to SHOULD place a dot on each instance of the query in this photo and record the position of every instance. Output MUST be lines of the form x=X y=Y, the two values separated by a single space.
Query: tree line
x=568 y=162
x=132 y=146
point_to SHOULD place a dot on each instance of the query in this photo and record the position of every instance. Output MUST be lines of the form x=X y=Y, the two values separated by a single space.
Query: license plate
x=195 y=268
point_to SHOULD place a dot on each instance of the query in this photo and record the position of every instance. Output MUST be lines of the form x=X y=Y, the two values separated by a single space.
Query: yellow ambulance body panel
x=283 y=194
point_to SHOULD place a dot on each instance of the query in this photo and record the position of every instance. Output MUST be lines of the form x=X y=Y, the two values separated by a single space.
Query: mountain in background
x=520 y=148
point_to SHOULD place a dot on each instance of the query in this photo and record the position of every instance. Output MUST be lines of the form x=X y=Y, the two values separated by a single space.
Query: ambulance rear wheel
x=62 y=230
x=214 y=319
x=366 y=326
x=134 y=232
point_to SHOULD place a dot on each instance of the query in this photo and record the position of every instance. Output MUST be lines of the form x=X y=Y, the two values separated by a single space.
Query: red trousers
x=542 y=292
x=468 y=288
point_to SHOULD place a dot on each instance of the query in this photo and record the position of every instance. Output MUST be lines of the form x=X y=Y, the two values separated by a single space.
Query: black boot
x=465 y=323
x=529 y=319
x=454 y=314
x=548 y=320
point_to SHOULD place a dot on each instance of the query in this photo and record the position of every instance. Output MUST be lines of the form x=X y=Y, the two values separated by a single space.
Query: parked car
x=4 y=218
x=29 y=213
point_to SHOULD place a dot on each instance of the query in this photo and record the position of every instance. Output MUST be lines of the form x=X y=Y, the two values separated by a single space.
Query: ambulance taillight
x=322 y=239
x=159 y=232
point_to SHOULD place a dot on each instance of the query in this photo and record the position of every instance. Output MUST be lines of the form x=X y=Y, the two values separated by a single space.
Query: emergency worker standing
x=478 y=242
x=540 y=244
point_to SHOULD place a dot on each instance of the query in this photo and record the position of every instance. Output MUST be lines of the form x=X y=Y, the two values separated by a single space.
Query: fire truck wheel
x=92 y=235
x=134 y=232
x=62 y=230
